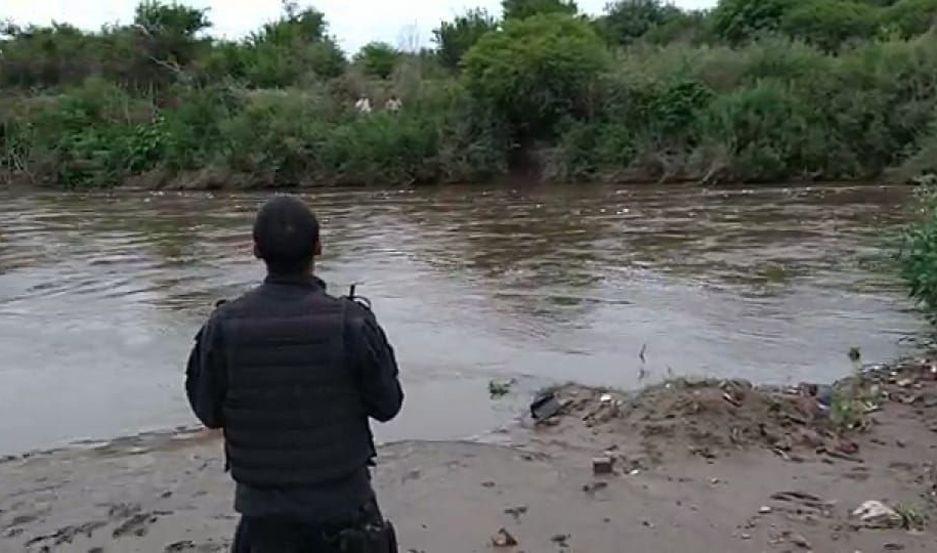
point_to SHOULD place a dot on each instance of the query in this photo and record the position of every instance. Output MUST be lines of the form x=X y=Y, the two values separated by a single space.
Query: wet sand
x=699 y=467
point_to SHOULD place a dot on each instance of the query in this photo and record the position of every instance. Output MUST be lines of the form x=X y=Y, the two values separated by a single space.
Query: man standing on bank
x=292 y=374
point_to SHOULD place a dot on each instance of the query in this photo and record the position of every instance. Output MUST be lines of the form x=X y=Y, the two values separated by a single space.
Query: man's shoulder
x=357 y=309
x=231 y=308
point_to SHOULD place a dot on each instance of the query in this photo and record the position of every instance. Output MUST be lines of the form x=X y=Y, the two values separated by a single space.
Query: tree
x=285 y=51
x=627 y=20
x=378 y=59
x=158 y=18
x=535 y=71
x=45 y=56
x=453 y=39
x=294 y=26
x=521 y=9
x=829 y=23
x=739 y=20
x=165 y=43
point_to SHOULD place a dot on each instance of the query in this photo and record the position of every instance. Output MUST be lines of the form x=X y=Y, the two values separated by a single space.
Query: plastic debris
x=602 y=465
x=544 y=407
x=503 y=539
x=499 y=387
x=875 y=514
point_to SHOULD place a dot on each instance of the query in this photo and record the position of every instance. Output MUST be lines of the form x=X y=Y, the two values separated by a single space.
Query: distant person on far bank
x=393 y=104
x=363 y=105
x=292 y=375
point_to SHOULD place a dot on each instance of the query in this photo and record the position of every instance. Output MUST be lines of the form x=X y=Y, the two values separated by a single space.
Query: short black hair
x=285 y=234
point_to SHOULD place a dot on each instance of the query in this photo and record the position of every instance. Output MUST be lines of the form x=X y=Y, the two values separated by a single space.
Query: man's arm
x=376 y=367
x=206 y=376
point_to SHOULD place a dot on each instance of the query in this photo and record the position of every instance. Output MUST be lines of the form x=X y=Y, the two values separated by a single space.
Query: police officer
x=292 y=375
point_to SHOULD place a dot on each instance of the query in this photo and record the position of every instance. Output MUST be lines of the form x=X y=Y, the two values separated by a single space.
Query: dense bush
x=772 y=110
x=536 y=70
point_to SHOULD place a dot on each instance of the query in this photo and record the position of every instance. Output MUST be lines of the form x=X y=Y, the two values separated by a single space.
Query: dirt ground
x=697 y=467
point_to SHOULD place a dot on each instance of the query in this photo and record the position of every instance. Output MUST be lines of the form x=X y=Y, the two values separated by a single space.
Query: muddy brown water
x=101 y=294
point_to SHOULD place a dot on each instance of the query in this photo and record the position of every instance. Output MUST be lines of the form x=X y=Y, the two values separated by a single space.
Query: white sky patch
x=353 y=22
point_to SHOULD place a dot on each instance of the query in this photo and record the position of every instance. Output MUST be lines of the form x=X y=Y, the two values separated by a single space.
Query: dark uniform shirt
x=372 y=356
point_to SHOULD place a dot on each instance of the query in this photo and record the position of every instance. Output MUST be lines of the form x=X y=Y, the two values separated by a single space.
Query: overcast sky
x=353 y=22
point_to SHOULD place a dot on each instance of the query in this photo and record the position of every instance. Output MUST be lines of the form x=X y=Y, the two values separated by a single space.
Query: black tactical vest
x=293 y=415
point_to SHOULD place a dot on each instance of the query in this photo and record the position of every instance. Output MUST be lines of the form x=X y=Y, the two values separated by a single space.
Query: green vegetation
x=626 y=21
x=522 y=9
x=454 y=39
x=537 y=70
x=918 y=255
x=378 y=59
x=754 y=90
x=913 y=517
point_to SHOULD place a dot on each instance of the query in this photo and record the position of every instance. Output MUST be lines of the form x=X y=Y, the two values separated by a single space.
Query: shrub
x=271 y=136
x=473 y=142
x=537 y=70
x=192 y=129
x=918 y=255
x=921 y=162
x=881 y=99
x=768 y=131
x=586 y=151
x=92 y=135
x=287 y=138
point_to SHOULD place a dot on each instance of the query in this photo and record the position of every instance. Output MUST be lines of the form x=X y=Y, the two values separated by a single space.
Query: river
x=101 y=294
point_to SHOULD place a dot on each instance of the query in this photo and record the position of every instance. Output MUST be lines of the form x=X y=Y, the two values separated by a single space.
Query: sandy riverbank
x=699 y=467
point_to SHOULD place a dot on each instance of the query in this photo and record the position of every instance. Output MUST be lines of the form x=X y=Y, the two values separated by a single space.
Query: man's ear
x=317 y=248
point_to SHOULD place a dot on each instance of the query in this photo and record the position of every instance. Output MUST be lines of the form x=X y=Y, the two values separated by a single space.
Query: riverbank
x=95 y=109
x=697 y=466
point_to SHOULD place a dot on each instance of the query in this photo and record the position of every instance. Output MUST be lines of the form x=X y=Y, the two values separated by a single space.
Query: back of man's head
x=286 y=235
